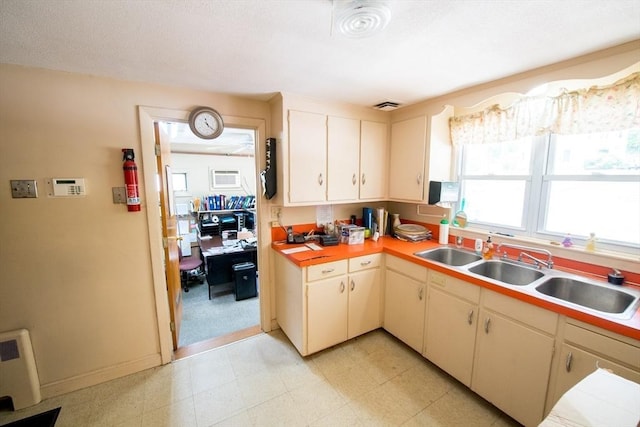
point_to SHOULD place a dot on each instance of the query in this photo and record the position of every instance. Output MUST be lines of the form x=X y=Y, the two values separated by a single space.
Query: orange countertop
x=629 y=328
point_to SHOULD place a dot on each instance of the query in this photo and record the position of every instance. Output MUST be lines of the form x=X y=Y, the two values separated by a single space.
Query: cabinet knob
x=364 y=180
x=328 y=270
x=320 y=179
x=341 y=287
x=567 y=363
x=354 y=179
x=353 y=285
x=487 y=321
x=419 y=179
x=363 y=263
x=470 y=317
x=421 y=293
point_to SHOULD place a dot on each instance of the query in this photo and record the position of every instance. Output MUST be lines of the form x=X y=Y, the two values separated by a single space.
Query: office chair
x=187 y=265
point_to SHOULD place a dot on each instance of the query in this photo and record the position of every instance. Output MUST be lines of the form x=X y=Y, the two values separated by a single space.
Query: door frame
x=151 y=203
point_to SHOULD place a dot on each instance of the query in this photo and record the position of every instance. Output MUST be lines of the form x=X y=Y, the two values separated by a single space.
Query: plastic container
x=591 y=243
x=478 y=246
x=443 y=233
x=488 y=251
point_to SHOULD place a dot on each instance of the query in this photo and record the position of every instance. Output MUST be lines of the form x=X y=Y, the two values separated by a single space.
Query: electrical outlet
x=274 y=224
x=24 y=188
x=275 y=212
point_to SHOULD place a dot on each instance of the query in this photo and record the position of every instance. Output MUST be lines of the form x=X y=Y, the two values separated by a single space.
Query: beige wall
x=77 y=272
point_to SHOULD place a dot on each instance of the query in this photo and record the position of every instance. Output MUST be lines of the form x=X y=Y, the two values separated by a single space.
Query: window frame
x=537 y=196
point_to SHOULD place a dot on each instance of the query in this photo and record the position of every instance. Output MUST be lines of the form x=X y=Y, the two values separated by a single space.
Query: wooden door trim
x=150 y=203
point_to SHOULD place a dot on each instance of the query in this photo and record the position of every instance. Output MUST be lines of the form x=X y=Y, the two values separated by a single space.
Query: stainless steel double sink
x=563 y=288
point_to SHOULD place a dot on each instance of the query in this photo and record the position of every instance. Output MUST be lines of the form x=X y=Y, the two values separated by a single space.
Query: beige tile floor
x=373 y=380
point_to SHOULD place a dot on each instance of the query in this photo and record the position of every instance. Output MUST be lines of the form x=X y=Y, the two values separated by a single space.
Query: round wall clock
x=206 y=123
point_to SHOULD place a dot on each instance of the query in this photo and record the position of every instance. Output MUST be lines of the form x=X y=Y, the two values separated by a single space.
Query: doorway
x=147 y=117
x=214 y=188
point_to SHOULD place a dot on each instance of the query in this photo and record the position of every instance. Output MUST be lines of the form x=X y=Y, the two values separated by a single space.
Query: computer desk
x=219 y=260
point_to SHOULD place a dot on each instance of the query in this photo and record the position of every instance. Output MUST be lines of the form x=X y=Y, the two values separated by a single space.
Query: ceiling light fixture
x=360 y=18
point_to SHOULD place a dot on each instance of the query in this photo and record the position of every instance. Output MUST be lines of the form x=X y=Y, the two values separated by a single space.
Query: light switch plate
x=119 y=194
x=24 y=188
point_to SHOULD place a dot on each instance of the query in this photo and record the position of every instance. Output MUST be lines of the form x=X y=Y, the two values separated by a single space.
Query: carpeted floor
x=203 y=319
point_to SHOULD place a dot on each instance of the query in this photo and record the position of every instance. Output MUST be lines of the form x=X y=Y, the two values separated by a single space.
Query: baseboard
x=96 y=377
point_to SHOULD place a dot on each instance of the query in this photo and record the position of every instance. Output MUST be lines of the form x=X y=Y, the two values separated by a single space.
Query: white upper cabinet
x=307 y=157
x=406 y=168
x=329 y=152
x=373 y=160
x=421 y=151
x=343 y=153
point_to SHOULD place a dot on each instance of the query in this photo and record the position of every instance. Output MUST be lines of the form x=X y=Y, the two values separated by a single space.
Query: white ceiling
x=232 y=142
x=255 y=48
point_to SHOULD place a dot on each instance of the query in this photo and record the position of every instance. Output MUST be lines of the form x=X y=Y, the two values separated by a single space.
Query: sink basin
x=596 y=297
x=506 y=272
x=449 y=256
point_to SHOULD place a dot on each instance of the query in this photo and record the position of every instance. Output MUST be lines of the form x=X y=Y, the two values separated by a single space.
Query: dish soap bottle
x=487 y=252
x=591 y=243
x=443 y=232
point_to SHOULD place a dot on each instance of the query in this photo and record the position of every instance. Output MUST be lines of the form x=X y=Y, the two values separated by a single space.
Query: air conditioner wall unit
x=225 y=179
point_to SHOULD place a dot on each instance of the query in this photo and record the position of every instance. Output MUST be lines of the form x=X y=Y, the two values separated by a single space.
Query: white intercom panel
x=68 y=187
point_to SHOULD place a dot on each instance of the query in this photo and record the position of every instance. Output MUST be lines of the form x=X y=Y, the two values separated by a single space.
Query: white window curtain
x=596 y=109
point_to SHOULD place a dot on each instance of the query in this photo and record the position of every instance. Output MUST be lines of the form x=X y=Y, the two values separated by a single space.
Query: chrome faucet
x=537 y=262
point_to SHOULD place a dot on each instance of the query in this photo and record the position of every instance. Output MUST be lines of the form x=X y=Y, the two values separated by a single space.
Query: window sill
x=605 y=258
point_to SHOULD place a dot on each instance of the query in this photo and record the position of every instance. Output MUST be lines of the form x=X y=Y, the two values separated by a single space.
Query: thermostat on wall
x=68 y=187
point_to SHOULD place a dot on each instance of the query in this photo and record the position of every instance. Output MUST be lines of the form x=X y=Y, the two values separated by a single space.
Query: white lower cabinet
x=405 y=301
x=323 y=305
x=450 y=331
x=365 y=293
x=584 y=349
x=327 y=307
x=514 y=350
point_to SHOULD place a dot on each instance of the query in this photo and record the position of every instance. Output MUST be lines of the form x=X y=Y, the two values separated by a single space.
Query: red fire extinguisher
x=131 y=180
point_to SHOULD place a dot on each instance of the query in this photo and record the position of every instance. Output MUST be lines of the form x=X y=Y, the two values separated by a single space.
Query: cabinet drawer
x=407 y=268
x=606 y=346
x=528 y=314
x=454 y=286
x=328 y=269
x=364 y=262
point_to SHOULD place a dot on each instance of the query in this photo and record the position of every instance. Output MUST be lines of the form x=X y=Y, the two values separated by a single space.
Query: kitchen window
x=548 y=186
x=179 y=181
x=548 y=166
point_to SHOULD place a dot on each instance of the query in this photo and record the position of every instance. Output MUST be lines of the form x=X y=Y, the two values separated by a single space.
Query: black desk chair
x=187 y=266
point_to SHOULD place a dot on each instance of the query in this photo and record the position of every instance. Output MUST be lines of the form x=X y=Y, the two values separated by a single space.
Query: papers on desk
x=217 y=250
x=296 y=249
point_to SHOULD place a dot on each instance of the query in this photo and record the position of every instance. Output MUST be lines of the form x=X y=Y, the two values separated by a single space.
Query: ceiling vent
x=386 y=106
x=360 y=18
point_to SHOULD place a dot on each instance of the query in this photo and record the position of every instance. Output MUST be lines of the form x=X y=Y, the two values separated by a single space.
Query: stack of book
x=217 y=202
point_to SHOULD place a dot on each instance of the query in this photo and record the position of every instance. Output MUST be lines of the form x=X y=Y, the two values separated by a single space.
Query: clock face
x=206 y=123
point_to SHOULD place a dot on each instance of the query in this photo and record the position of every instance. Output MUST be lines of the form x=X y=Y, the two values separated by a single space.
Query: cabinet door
x=512 y=366
x=406 y=168
x=327 y=305
x=364 y=302
x=451 y=334
x=373 y=160
x=575 y=364
x=343 y=146
x=307 y=157
x=404 y=308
